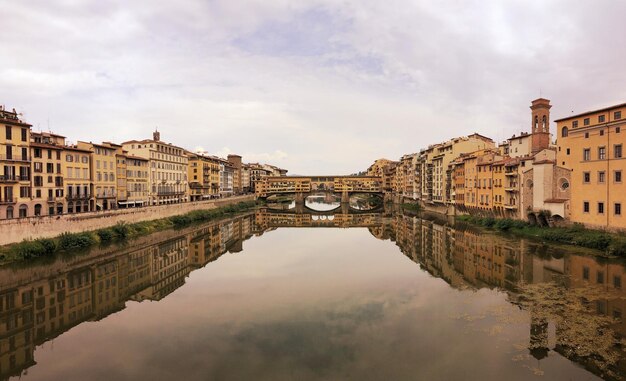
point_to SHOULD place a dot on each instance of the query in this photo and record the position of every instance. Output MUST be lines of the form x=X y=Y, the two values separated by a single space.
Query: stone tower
x=540 y=124
x=156 y=136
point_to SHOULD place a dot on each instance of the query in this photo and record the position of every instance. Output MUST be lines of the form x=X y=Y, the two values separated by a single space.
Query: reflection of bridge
x=266 y=218
x=303 y=186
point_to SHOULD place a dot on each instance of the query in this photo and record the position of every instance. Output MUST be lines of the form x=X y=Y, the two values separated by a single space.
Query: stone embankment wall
x=16 y=230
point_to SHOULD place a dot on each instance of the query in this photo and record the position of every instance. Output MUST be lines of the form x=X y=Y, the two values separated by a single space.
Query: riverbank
x=577 y=235
x=20 y=229
x=121 y=231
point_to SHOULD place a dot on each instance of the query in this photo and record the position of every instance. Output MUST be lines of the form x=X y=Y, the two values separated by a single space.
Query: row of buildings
x=575 y=177
x=42 y=175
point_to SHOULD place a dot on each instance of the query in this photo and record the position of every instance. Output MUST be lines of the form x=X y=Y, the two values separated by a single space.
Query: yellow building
x=167 y=166
x=15 y=166
x=47 y=169
x=137 y=181
x=591 y=145
x=498 y=182
x=434 y=161
x=103 y=173
x=122 y=182
x=199 y=176
x=77 y=175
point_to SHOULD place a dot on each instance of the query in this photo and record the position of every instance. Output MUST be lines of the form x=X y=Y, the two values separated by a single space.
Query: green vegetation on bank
x=576 y=234
x=45 y=247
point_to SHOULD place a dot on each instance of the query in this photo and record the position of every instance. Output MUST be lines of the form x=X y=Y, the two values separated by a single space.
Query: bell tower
x=540 y=124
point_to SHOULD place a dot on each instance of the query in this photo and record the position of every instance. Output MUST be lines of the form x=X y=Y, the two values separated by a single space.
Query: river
x=285 y=295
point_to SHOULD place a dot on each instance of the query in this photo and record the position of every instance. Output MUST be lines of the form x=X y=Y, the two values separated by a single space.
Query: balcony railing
x=14 y=157
x=78 y=197
x=173 y=193
x=13 y=178
x=8 y=201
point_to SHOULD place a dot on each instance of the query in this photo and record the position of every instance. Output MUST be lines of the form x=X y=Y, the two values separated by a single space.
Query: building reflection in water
x=579 y=296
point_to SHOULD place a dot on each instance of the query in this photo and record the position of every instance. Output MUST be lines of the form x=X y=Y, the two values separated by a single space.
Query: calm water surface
x=295 y=296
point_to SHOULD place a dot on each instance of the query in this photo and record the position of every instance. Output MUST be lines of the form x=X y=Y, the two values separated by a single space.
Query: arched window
x=544 y=123
x=9 y=212
x=536 y=123
x=38 y=210
x=23 y=211
x=564 y=132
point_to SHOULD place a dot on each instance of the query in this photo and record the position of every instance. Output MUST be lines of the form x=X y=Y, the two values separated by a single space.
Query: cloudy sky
x=319 y=86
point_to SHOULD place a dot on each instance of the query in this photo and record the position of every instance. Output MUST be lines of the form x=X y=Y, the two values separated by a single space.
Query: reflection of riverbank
x=580 y=296
x=572 y=298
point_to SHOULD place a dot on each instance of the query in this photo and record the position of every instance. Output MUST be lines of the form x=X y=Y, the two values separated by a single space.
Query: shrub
x=28 y=250
x=121 y=230
x=618 y=247
x=105 y=235
x=49 y=245
x=68 y=241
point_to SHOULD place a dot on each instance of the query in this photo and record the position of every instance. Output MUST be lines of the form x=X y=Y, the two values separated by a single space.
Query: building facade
x=15 y=166
x=168 y=169
x=591 y=145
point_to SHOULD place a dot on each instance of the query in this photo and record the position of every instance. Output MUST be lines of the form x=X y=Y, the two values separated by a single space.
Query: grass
x=48 y=247
x=577 y=234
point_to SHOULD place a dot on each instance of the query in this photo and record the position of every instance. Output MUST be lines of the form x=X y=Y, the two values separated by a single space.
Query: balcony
x=8 y=201
x=74 y=197
x=172 y=193
x=512 y=174
x=507 y=206
x=21 y=158
x=13 y=178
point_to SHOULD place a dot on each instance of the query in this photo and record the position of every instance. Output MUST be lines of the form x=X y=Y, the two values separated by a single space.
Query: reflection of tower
x=538 y=345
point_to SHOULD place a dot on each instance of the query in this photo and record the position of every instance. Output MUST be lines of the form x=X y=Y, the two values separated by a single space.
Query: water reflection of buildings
x=581 y=295
x=40 y=302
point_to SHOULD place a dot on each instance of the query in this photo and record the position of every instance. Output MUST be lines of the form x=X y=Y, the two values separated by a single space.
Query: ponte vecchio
x=303 y=186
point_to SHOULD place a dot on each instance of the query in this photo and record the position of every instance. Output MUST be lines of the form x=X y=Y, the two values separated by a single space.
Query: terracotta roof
x=591 y=112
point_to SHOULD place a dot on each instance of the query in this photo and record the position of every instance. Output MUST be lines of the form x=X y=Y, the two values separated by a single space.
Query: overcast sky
x=318 y=87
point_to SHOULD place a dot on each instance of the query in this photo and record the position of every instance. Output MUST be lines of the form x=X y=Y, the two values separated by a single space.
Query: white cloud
x=316 y=86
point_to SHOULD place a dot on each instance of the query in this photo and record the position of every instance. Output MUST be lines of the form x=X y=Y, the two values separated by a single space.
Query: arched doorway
x=23 y=211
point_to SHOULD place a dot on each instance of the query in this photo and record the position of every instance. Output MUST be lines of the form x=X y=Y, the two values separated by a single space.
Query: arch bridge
x=303 y=186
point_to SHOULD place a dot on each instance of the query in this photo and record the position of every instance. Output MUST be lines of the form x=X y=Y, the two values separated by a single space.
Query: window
x=617 y=115
x=586 y=273
x=600 y=277
x=601 y=176
x=617 y=176
x=586 y=121
x=601 y=132
x=601 y=153
x=586 y=177
x=575 y=124
x=617 y=281
x=586 y=154
x=567 y=151
x=37 y=153
x=586 y=207
x=24 y=134
x=600 y=208
x=617 y=151
x=601 y=119
x=8 y=132
x=617 y=209
x=586 y=135
x=564 y=132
